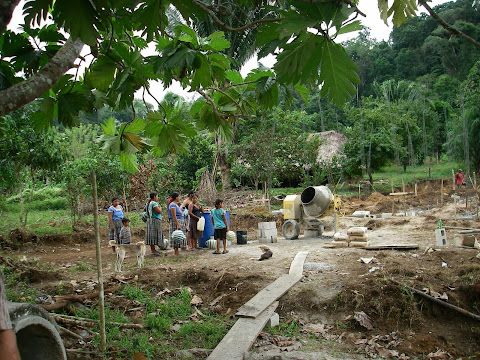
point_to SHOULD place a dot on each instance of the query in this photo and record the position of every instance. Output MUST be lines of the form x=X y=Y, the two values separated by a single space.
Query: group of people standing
x=183 y=216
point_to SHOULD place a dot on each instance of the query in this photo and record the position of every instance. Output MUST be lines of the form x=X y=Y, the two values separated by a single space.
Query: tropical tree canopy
x=301 y=34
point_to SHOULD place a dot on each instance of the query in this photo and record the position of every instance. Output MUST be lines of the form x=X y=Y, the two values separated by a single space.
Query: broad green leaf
x=79 y=18
x=70 y=104
x=101 y=73
x=353 y=26
x=43 y=118
x=162 y=42
x=137 y=126
x=220 y=60
x=189 y=31
x=109 y=126
x=338 y=73
x=110 y=143
x=150 y=19
x=299 y=60
x=36 y=10
x=202 y=76
x=135 y=140
x=234 y=76
x=129 y=162
x=217 y=41
x=383 y=8
x=254 y=76
x=303 y=91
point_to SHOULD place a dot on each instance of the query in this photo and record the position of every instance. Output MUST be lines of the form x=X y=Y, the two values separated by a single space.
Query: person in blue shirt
x=115 y=216
x=220 y=226
x=177 y=221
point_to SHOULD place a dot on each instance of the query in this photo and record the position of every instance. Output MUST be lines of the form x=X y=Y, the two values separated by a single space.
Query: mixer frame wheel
x=291 y=229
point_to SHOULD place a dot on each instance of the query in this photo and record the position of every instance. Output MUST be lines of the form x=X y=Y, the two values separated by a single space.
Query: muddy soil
x=336 y=286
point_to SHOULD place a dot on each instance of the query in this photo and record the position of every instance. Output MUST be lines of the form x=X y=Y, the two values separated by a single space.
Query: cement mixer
x=315 y=208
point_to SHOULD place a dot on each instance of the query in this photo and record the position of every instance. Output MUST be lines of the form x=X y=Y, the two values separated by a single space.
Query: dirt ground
x=337 y=289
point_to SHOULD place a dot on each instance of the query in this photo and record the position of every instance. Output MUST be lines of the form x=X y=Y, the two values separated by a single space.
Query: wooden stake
x=438 y=301
x=101 y=295
x=403 y=185
x=415 y=189
x=441 y=193
x=392 y=187
x=453 y=180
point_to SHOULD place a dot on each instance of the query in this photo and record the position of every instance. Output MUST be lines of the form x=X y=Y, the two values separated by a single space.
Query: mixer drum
x=316 y=200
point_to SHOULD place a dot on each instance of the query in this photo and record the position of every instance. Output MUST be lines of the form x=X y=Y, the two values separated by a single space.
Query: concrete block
x=441 y=237
x=270 y=240
x=310 y=234
x=361 y=214
x=267 y=225
x=400 y=214
x=339 y=244
x=468 y=240
x=358 y=244
x=274 y=320
x=386 y=215
x=411 y=213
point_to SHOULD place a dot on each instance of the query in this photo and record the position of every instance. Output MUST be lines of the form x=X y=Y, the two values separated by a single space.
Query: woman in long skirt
x=153 y=233
x=195 y=209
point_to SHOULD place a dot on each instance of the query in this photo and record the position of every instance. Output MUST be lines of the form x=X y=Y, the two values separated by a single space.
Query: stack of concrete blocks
x=340 y=240
x=357 y=237
x=267 y=232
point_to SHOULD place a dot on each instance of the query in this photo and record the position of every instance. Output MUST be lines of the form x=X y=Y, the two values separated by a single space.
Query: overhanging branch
x=447 y=26
x=224 y=26
x=22 y=93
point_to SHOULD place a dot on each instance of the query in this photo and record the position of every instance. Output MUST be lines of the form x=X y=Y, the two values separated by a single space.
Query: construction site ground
x=344 y=308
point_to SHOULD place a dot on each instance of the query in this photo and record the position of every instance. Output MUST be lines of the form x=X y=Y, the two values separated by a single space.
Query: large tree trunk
x=22 y=93
x=223 y=165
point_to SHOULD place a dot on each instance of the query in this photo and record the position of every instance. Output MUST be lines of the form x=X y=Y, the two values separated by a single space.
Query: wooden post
x=392 y=186
x=359 y=185
x=415 y=189
x=441 y=193
x=453 y=180
x=403 y=185
x=101 y=295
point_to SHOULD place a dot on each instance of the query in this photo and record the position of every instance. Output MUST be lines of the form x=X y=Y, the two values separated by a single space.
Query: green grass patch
x=18 y=289
x=156 y=340
x=290 y=329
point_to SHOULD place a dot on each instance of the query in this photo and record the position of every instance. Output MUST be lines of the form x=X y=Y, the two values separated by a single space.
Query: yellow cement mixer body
x=310 y=207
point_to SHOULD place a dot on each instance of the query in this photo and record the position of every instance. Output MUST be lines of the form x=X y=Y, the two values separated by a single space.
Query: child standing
x=115 y=216
x=220 y=226
x=125 y=233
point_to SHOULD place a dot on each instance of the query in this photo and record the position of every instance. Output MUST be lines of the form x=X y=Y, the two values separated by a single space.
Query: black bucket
x=241 y=237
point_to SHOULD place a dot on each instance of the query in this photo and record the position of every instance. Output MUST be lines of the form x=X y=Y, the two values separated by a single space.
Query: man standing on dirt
x=8 y=340
x=459 y=178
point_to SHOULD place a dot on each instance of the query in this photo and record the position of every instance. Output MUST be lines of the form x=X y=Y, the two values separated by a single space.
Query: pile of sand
x=376 y=197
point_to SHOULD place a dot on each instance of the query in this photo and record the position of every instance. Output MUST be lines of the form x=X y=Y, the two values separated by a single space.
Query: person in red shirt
x=459 y=178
